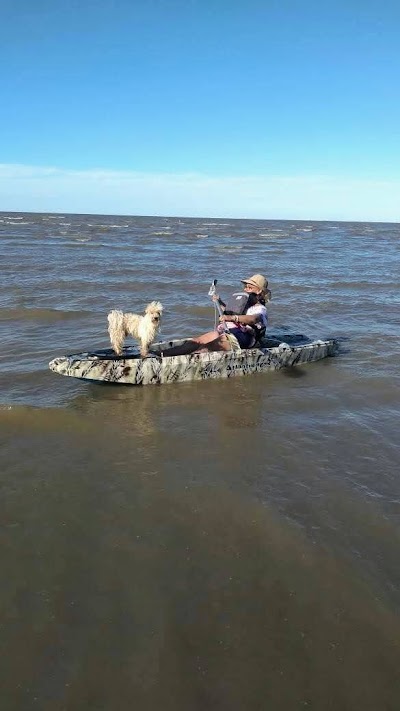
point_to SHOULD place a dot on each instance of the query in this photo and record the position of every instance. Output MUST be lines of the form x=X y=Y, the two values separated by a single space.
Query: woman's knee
x=206 y=337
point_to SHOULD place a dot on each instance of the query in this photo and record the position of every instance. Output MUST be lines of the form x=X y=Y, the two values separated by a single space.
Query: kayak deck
x=274 y=353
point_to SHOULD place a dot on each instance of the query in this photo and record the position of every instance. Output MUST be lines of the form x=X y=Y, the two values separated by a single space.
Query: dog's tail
x=116 y=330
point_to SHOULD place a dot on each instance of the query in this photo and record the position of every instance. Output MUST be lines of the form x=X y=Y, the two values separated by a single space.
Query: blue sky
x=262 y=109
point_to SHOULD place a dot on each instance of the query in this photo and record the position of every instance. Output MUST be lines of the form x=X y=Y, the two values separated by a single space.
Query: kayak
x=274 y=353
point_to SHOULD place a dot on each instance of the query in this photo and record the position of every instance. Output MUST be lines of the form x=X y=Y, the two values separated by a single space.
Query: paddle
x=211 y=292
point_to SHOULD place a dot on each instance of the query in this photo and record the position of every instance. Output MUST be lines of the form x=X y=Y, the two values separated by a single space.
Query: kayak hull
x=131 y=369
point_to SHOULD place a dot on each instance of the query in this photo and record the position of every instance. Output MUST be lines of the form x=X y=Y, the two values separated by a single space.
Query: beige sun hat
x=257 y=280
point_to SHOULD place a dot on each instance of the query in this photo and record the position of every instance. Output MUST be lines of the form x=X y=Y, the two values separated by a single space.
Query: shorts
x=244 y=338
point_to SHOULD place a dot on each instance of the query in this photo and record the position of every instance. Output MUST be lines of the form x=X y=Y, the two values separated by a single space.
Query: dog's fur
x=144 y=328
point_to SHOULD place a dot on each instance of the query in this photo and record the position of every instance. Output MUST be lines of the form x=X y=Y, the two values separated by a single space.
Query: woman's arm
x=244 y=319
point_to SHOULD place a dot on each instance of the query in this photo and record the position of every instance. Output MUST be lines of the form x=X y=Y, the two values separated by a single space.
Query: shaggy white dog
x=144 y=328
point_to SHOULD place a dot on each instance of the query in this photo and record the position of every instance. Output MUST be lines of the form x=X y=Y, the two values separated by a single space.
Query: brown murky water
x=219 y=545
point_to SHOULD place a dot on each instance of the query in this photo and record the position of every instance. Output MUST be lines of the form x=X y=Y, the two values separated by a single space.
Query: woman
x=234 y=331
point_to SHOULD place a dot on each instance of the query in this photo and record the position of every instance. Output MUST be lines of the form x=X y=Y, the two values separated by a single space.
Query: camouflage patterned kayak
x=275 y=352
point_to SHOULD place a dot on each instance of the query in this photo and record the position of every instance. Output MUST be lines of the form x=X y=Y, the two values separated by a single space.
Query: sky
x=208 y=108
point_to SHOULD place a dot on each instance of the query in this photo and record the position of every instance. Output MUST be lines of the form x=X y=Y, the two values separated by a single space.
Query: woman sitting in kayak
x=234 y=331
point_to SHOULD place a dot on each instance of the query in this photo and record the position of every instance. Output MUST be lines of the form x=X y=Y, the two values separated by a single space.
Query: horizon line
x=193 y=217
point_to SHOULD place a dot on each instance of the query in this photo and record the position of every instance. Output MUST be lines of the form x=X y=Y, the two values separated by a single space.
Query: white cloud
x=49 y=189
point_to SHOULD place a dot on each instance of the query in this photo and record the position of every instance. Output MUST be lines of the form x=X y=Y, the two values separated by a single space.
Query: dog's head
x=154 y=311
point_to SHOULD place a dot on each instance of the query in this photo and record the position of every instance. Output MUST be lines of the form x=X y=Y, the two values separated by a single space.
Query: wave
x=47 y=315
x=272 y=233
x=10 y=221
x=215 y=224
x=104 y=227
x=228 y=248
x=11 y=217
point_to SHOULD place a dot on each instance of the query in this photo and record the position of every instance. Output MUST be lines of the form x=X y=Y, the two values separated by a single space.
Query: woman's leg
x=207 y=337
x=211 y=341
x=218 y=343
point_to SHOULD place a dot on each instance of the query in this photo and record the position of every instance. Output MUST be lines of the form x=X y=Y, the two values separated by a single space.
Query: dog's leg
x=146 y=333
x=116 y=331
x=144 y=349
x=118 y=345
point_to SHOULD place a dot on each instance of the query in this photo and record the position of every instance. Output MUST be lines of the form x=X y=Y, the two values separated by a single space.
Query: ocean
x=219 y=545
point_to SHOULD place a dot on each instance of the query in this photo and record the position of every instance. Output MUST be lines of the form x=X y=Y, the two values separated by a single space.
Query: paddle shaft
x=211 y=292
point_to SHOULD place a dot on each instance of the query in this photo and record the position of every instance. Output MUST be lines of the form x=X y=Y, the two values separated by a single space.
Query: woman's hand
x=215 y=297
x=224 y=318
